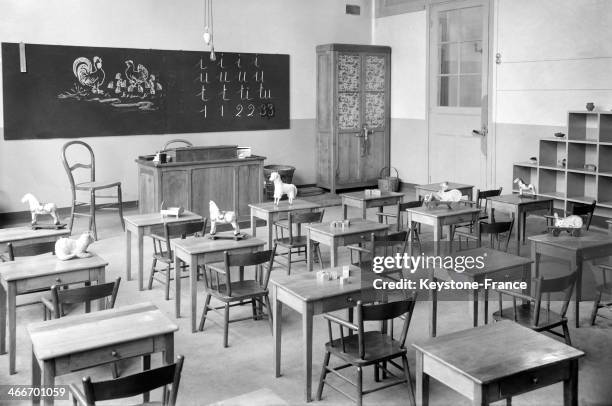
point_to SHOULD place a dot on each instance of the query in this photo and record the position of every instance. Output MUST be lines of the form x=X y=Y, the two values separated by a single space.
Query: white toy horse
x=523 y=187
x=66 y=248
x=37 y=208
x=221 y=217
x=281 y=189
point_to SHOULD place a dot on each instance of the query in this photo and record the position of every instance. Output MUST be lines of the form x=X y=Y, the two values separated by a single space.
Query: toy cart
x=556 y=231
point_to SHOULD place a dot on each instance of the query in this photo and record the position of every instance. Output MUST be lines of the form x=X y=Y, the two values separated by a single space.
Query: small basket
x=389 y=183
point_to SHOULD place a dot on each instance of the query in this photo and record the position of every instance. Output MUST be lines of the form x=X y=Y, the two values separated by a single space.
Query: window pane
x=471 y=23
x=448 y=58
x=471 y=91
x=471 y=57
x=449 y=26
x=447 y=91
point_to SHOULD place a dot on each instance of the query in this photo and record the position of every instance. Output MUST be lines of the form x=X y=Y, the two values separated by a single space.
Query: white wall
x=293 y=27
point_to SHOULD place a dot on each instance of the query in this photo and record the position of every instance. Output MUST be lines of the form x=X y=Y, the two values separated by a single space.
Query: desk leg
x=2 y=320
x=177 y=289
x=101 y=278
x=253 y=228
x=48 y=379
x=524 y=224
x=277 y=311
x=410 y=236
x=437 y=233
x=35 y=378
x=518 y=218
x=570 y=386
x=269 y=225
x=475 y=305
x=12 y=326
x=146 y=365
x=193 y=285
x=309 y=252
x=307 y=315
x=140 y=256
x=128 y=254
x=422 y=382
x=168 y=349
x=363 y=211
x=578 y=267
x=433 y=307
x=344 y=211
x=334 y=252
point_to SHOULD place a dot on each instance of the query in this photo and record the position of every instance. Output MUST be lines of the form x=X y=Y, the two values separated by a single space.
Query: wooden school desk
x=362 y=201
x=39 y=272
x=20 y=236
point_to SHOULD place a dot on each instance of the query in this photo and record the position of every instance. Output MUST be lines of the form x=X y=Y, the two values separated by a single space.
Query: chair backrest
x=30 y=249
x=495 y=229
x=136 y=384
x=61 y=296
x=563 y=284
x=183 y=230
x=584 y=210
x=483 y=195
x=70 y=168
x=303 y=218
x=384 y=312
x=389 y=244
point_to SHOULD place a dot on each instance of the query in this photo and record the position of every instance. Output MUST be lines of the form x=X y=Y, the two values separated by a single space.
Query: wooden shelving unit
x=588 y=141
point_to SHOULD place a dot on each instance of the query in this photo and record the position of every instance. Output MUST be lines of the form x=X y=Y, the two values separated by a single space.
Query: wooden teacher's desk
x=304 y=294
x=358 y=231
x=495 y=362
x=363 y=201
x=35 y=273
x=69 y=344
x=195 y=251
x=270 y=212
x=575 y=250
x=141 y=225
x=520 y=206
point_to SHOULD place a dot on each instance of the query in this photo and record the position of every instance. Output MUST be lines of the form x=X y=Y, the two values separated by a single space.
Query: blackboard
x=70 y=91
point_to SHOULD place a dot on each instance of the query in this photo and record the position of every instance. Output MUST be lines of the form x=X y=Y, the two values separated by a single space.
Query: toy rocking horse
x=281 y=189
x=525 y=188
x=37 y=208
x=223 y=217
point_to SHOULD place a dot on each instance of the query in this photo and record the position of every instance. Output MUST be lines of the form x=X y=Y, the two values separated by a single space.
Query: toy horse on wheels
x=443 y=196
x=223 y=217
x=37 y=208
x=572 y=224
x=525 y=188
x=281 y=189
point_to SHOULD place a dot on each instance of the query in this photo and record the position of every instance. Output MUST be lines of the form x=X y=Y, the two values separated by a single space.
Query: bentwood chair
x=362 y=348
x=401 y=209
x=498 y=231
x=387 y=245
x=294 y=244
x=132 y=385
x=89 y=185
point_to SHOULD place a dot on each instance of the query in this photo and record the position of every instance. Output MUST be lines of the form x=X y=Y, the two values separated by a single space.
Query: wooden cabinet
x=231 y=183
x=353 y=114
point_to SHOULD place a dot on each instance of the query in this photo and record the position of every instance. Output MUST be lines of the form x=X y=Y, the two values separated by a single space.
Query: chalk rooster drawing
x=134 y=88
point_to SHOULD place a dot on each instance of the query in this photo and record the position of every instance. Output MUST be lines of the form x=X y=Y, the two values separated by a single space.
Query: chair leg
x=376 y=373
x=323 y=375
x=120 y=204
x=72 y=211
x=254 y=308
x=320 y=256
x=114 y=370
x=226 y=325
x=359 y=386
x=508 y=401
x=566 y=334
x=167 y=287
x=408 y=379
x=92 y=218
x=595 y=308
x=152 y=274
x=203 y=319
x=289 y=262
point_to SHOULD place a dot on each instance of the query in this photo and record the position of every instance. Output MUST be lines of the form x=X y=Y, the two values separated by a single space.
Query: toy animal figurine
x=572 y=224
x=281 y=189
x=525 y=188
x=37 y=208
x=66 y=248
x=222 y=217
x=443 y=196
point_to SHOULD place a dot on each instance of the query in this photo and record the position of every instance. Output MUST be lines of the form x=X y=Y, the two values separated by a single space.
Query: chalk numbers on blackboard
x=235 y=86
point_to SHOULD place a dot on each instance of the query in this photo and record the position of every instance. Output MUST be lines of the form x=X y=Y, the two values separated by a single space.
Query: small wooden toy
x=340 y=223
x=281 y=189
x=171 y=211
x=525 y=188
x=223 y=217
x=37 y=208
x=572 y=224
x=443 y=196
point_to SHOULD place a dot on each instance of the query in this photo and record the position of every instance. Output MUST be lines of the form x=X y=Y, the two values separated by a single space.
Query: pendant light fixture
x=208 y=28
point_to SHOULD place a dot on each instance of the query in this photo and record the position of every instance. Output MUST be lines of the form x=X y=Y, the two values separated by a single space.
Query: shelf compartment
x=605 y=159
x=605 y=127
x=604 y=191
x=529 y=174
x=551 y=152
x=582 y=126
x=580 y=154
x=551 y=183
x=581 y=188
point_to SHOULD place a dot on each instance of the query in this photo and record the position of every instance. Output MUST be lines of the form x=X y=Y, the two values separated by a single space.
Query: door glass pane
x=447 y=95
x=449 y=58
x=471 y=57
x=449 y=26
x=471 y=23
x=470 y=91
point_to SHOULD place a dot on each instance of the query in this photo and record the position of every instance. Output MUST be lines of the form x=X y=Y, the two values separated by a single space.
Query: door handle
x=366 y=132
x=482 y=132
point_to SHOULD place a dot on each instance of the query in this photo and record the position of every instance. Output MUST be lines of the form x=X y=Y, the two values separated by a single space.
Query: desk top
x=362 y=196
x=306 y=287
x=494 y=261
x=153 y=219
x=488 y=353
x=46 y=264
x=357 y=226
x=443 y=210
x=516 y=199
x=205 y=245
x=25 y=233
x=89 y=331
x=436 y=186
x=587 y=239
x=284 y=206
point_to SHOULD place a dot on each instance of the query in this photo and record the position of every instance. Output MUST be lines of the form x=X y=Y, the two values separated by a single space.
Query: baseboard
x=18 y=217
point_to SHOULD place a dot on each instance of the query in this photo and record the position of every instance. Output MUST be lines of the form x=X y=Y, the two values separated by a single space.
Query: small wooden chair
x=218 y=284
x=413 y=229
x=132 y=385
x=295 y=243
x=365 y=348
x=605 y=288
x=381 y=245
x=162 y=251
x=91 y=186
x=532 y=314
x=499 y=233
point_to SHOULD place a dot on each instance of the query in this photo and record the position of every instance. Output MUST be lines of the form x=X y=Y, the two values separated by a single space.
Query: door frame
x=490 y=177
